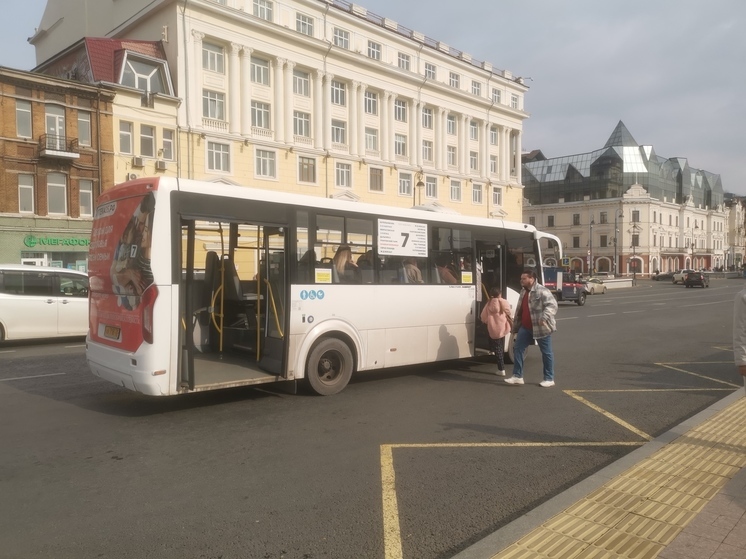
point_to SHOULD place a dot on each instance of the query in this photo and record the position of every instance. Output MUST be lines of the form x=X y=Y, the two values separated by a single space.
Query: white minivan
x=42 y=302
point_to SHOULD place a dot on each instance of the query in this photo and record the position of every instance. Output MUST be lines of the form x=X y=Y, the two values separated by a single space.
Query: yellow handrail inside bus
x=274 y=307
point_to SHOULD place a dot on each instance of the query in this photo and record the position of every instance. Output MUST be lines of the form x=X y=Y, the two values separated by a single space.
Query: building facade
x=623 y=209
x=736 y=244
x=321 y=97
x=56 y=157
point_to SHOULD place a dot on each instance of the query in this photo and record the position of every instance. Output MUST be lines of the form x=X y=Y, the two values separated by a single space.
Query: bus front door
x=491 y=270
x=273 y=299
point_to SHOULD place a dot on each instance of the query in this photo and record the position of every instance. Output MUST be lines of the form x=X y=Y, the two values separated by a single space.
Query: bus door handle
x=50 y=301
x=65 y=301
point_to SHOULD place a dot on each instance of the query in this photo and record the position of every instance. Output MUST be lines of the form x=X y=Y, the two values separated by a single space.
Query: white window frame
x=264 y=9
x=304 y=24
x=301 y=83
x=473 y=130
x=493 y=164
x=339 y=93
x=476 y=88
x=474 y=161
x=379 y=175
x=306 y=164
x=405 y=184
x=371 y=103
x=496 y=96
x=400 y=145
x=213 y=104
x=84 y=128
x=404 y=61
x=400 y=110
x=147 y=140
x=85 y=197
x=25 y=190
x=454 y=80
x=339 y=132
x=260 y=71
x=57 y=186
x=168 y=144
x=374 y=50
x=513 y=101
x=431 y=187
x=455 y=190
x=427 y=151
x=452 y=156
x=302 y=124
x=493 y=135
x=261 y=114
x=265 y=163
x=476 y=193
x=341 y=38
x=23 y=119
x=431 y=71
x=427 y=118
x=125 y=137
x=343 y=175
x=213 y=58
x=371 y=139
x=218 y=157
x=451 y=125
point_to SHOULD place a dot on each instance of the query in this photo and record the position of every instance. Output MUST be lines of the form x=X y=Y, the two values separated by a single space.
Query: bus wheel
x=329 y=367
x=581 y=299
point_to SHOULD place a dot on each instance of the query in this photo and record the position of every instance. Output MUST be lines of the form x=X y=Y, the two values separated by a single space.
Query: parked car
x=697 y=278
x=603 y=275
x=680 y=275
x=42 y=302
x=663 y=276
x=595 y=285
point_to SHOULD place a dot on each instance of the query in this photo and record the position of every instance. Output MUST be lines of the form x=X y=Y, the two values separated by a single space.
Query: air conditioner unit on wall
x=137 y=162
x=160 y=165
x=131 y=176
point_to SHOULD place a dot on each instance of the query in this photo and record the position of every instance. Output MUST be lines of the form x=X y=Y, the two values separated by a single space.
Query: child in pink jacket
x=495 y=315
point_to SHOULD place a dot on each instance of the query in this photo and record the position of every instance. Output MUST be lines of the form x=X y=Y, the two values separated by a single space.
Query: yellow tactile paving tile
x=636 y=514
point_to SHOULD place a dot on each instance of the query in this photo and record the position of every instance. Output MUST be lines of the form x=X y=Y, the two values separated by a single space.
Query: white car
x=595 y=285
x=42 y=302
x=680 y=275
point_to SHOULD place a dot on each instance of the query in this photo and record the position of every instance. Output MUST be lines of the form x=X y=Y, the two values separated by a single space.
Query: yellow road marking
x=652 y=390
x=609 y=415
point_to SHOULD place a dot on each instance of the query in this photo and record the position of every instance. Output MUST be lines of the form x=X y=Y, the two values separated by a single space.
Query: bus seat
x=403 y=277
x=232 y=284
x=367 y=276
x=436 y=276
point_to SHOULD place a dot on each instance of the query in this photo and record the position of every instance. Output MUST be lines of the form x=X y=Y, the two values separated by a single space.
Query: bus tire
x=581 y=299
x=329 y=367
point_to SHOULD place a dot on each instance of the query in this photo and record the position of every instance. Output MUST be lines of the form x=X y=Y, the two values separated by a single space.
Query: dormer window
x=146 y=74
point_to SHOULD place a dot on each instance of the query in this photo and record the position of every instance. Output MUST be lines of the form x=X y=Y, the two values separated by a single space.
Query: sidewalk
x=680 y=496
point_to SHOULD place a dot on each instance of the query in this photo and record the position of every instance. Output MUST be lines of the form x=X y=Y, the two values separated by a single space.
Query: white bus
x=198 y=286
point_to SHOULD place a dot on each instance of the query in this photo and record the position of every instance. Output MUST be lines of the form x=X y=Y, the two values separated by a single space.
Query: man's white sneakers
x=546 y=383
x=514 y=380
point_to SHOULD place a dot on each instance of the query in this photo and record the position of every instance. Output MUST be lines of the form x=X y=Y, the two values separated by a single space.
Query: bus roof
x=317 y=202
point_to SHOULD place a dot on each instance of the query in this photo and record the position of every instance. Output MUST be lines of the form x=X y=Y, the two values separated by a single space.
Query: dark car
x=696 y=278
x=663 y=276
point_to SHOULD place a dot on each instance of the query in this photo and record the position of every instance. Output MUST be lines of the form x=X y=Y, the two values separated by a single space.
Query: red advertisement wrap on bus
x=122 y=291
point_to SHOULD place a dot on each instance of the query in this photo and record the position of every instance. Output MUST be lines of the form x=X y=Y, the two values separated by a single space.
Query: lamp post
x=590 y=248
x=618 y=213
x=635 y=229
x=418 y=188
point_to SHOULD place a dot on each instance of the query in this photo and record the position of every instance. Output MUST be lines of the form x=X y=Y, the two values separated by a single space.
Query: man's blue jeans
x=525 y=338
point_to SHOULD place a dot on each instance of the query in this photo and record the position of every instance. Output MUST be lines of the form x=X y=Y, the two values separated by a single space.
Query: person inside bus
x=445 y=270
x=498 y=317
x=347 y=270
x=368 y=261
x=412 y=271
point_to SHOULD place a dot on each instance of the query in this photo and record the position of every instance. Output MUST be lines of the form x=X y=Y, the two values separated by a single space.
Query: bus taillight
x=148 y=302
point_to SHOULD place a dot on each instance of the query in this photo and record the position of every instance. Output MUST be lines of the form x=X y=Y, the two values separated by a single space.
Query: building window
x=476 y=88
x=125 y=137
x=405 y=184
x=400 y=110
x=430 y=72
x=265 y=163
x=455 y=191
x=473 y=130
x=260 y=71
x=263 y=9
x=603 y=217
x=431 y=187
x=451 y=125
x=493 y=164
x=473 y=161
x=427 y=151
x=497 y=196
x=427 y=118
x=304 y=24
x=371 y=139
x=213 y=58
x=301 y=83
x=550 y=221
x=374 y=50
x=400 y=144
x=514 y=101
x=147 y=76
x=603 y=241
x=452 y=155
x=339 y=132
x=493 y=135
x=23 y=119
x=636 y=217
x=218 y=157
x=85 y=188
x=371 y=102
x=307 y=169
x=147 y=140
x=635 y=240
x=341 y=38
x=57 y=193
x=260 y=115
x=168 y=145
x=454 y=80
x=496 y=96
x=84 y=128
x=302 y=124
x=339 y=93
x=532 y=221
x=576 y=242
x=213 y=104
x=375 y=179
x=404 y=61
x=576 y=219
x=343 y=175
x=476 y=193
x=26 y=193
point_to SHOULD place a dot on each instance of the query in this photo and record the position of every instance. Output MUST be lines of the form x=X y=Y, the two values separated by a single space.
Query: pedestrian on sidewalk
x=534 y=320
x=498 y=317
x=739 y=331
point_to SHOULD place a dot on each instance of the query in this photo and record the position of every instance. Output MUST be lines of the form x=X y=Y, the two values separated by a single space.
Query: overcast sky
x=674 y=71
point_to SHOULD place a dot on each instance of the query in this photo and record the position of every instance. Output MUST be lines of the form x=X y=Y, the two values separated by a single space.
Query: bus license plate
x=112 y=332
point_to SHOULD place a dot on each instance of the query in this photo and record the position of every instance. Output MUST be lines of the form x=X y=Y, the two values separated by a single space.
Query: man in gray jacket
x=534 y=320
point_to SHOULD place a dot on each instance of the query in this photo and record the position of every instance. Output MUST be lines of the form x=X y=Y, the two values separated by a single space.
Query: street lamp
x=418 y=188
x=635 y=241
x=617 y=214
x=590 y=248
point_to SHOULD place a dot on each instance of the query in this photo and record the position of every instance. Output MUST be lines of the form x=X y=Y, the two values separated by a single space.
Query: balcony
x=59 y=147
x=215 y=124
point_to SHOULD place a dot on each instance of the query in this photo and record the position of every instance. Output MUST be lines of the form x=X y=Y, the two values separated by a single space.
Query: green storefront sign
x=32 y=241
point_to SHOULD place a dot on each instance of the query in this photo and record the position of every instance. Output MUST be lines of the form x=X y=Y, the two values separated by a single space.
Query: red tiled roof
x=106 y=55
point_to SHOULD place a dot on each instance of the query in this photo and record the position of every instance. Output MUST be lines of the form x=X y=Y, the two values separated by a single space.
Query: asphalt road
x=419 y=462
